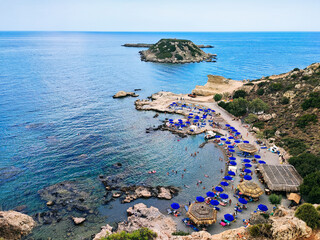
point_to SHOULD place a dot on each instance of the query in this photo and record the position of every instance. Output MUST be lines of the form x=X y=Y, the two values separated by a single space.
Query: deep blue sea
x=58 y=120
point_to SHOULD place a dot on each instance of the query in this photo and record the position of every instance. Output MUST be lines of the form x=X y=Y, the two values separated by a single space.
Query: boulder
x=14 y=225
x=141 y=216
x=105 y=231
x=265 y=117
x=232 y=234
x=164 y=193
x=77 y=220
x=122 y=94
x=143 y=192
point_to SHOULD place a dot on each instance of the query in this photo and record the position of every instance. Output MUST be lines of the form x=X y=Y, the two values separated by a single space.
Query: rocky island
x=175 y=51
x=147 y=45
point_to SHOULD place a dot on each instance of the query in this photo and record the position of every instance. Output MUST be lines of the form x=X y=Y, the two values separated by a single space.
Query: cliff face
x=175 y=51
x=217 y=84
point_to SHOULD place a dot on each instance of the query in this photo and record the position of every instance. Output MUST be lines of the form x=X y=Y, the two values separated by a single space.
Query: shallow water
x=58 y=119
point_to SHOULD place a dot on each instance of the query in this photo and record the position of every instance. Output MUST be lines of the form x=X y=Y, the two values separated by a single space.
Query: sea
x=59 y=122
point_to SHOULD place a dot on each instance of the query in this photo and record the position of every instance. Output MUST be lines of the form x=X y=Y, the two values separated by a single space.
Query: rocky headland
x=175 y=51
x=147 y=45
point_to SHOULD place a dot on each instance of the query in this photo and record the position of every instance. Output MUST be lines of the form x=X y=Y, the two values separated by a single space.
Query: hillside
x=294 y=98
x=175 y=51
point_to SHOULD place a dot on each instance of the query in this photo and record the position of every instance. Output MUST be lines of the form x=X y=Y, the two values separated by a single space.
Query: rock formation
x=122 y=94
x=147 y=45
x=141 y=216
x=78 y=220
x=14 y=225
x=217 y=84
x=175 y=51
x=105 y=230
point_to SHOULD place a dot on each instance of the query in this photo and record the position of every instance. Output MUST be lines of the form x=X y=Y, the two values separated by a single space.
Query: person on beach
x=182 y=176
x=230 y=201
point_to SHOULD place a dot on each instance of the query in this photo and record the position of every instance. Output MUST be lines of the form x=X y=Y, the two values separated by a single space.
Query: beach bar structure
x=281 y=178
x=250 y=189
x=247 y=147
x=202 y=214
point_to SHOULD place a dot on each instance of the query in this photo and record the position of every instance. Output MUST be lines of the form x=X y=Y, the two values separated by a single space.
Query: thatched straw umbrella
x=294 y=197
x=247 y=147
x=201 y=213
x=250 y=189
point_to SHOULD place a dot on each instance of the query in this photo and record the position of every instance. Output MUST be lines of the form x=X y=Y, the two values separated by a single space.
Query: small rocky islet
x=174 y=51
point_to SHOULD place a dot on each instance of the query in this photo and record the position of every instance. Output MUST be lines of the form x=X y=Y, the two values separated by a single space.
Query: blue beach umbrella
x=227 y=125
x=238 y=133
x=171 y=120
x=232 y=127
x=230 y=137
x=224 y=184
x=262 y=207
x=246 y=160
x=248 y=165
x=210 y=194
x=224 y=196
x=195 y=121
x=217 y=136
x=231 y=173
x=213 y=111
x=177 y=124
x=190 y=117
x=247 y=177
x=232 y=158
x=247 y=170
x=190 y=113
x=234 y=130
x=200 y=199
x=245 y=141
x=227 y=177
x=183 y=125
x=187 y=122
x=231 y=150
x=237 y=141
x=196 y=117
x=219 y=189
x=257 y=156
x=227 y=142
x=242 y=200
x=228 y=217
x=214 y=202
x=230 y=146
x=175 y=206
x=233 y=163
x=262 y=162
x=223 y=139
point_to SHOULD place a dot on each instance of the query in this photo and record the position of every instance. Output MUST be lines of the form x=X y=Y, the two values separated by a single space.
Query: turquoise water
x=58 y=119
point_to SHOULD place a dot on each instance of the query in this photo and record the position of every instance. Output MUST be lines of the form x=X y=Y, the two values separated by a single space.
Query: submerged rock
x=14 y=225
x=77 y=220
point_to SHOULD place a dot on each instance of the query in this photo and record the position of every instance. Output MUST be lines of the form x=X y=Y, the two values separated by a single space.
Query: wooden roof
x=201 y=213
x=284 y=178
x=250 y=189
x=247 y=147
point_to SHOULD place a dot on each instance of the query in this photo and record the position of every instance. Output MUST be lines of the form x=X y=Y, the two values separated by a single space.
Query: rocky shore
x=283 y=226
x=122 y=94
x=130 y=193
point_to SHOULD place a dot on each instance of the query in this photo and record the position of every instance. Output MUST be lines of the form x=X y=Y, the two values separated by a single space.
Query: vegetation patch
x=261 y=230
x=275 y=199
x=142 y=233
x=312 y=102
x=295 y=146
x=180 y=233
x=310 y=188
x=304 y=120
x=307 y=213
x=217 y=97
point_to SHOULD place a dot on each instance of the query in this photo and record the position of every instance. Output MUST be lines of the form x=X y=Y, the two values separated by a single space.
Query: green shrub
x=305 y=77
x=318 y=208
x=304 y=120
x=163 y=55
x=285 y=100
x=251 y=118
x=223 y=104
x=259 y=125
x=178 y=57
x=307 y=213
x=249 y=84
x=275 y=199
x=257 y=105
x=265 y=215
x=295 y=146
x=312 y=102
x=305 y=163
x=180 y=233
x=268 y=133
x=217 y=97
x=310 y=188
x=260 y=91
x=261 y=230
x=238 y=107
x=239 y=94
x=142 y=233
x=294 y=76
x=274 y=87
x=262 y=84
x=296 y=69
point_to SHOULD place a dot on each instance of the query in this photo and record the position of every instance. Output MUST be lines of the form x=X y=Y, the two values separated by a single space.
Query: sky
x=158 y=16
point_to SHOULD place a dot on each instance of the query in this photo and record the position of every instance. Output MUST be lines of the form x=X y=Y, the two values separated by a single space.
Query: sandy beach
x=216 y=121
